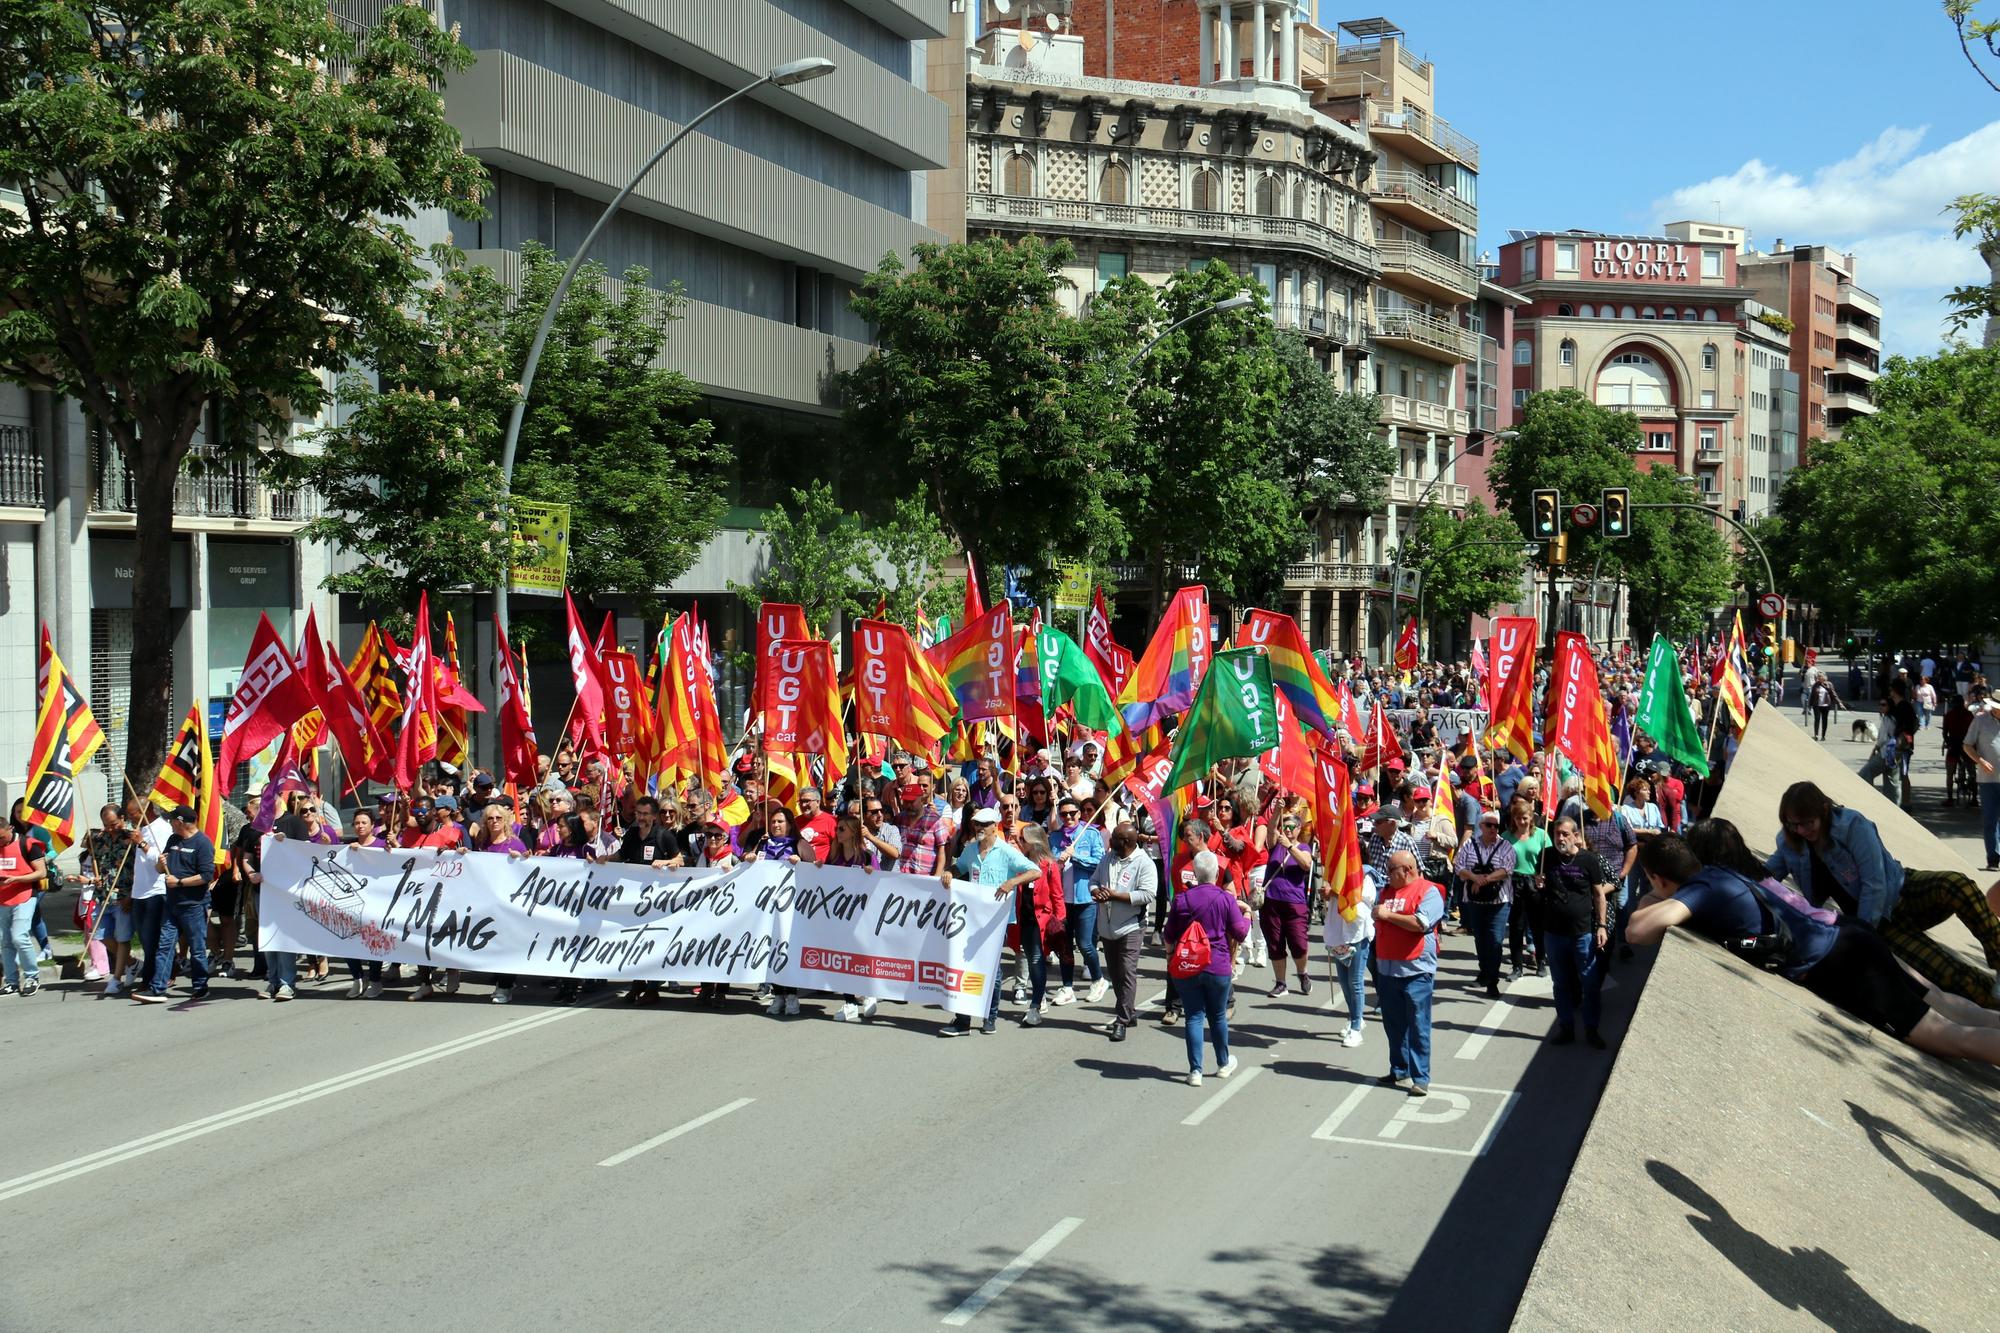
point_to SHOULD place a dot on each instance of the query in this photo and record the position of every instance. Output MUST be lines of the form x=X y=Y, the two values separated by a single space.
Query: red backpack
x=1191 y=953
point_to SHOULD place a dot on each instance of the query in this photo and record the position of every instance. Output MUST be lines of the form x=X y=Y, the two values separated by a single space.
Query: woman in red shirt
x=1042 y=919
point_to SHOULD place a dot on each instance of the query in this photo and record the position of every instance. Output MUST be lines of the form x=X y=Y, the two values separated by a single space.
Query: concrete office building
x=1836 y=336
x=768 y=217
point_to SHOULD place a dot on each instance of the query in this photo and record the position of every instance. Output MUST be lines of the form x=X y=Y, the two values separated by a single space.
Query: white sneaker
x=868 y=1008
x=354 y=989
x=1229 y=1066
x=113 y=988
x=1020 y=992
x=503 y=995
x=1194 y=1078
x=776 y=1007
x=764 y=992
x=1064 y=996
x=422 y=992
x=1097 y=989
x=374 y=991
x=1350 y=1038
x=284 y=993
x=847 y=1013
x=791 y=1006
x=92 y=974
x=47 y=957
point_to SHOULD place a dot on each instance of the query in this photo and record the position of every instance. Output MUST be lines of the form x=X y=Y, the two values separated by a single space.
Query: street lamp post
x=782 y=76
x=1475 y=444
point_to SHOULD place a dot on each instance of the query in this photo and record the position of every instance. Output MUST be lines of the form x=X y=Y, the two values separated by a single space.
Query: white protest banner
x=842 y=930
x=1451 y=723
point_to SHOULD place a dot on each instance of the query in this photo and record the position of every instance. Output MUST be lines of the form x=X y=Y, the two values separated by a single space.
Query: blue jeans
x=1488 y=922
x=184 y=915
x=17 y=943
x=1878 y=767
x=1406 y=1022
x=1989 y=818
x=1353 y=972
x=282 y=970
x=1576 y=970
x=1205 y=997
x=41 y=925
x=147 y=916
x=1037 y=960
x=1082 y=938
x=374 y=966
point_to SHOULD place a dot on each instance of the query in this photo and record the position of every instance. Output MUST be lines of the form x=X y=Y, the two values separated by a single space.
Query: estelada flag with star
x=66 y=735
x=188 y=776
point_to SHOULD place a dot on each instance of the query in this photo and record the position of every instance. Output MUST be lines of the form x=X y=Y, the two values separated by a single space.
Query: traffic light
x=1548 y=515
x=1615 y=514
x=1767 y=636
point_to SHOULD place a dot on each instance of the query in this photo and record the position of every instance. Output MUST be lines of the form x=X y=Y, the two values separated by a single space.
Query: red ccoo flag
x=270 y=695
x=517 y=731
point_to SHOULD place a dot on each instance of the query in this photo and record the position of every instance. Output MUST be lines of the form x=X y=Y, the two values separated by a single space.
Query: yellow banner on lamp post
x=540 y=560
x=1072 y=587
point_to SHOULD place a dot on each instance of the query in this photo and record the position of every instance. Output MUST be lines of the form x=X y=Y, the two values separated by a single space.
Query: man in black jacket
x=187 y=870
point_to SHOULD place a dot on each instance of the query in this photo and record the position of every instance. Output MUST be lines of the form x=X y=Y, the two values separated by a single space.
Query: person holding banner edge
x=990 y=862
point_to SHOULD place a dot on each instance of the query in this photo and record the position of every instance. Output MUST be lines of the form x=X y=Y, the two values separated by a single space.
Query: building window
x=1565 y=256
x=1564 y=312
x=1708 y=315
x=1267 y=195
x=1708 y=356
x=1687 y=313
x=1711 y=263
x=1708 y=398
x=1110 y=268
x=1207 y=191
x=1299 y=200
x=1019 y=178
x=1707 y=438
x=1668 y=312
x=1590 y=312
x=1627 y=312
x=1649 y=313
x=1566 y=354
x=1529 y=259
x=1114 y=186
x=1660 y=440
x=1524 y=352
x=1633 y=379
x=1520 y=399
x=1267 y=278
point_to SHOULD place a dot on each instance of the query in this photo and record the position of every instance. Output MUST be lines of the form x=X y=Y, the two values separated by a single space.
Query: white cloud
x=1885 y=204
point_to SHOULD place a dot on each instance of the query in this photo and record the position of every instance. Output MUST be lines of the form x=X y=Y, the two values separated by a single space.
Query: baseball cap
x=1420 y=794
x=183 y=814
x=1468 y=762
x=986 y=815
x=1390 y=811
x=445 y=803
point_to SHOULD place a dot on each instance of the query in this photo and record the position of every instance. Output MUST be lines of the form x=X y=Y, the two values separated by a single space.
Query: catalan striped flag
x=1735 y=671
x=1294 y=670
x=66 y=735
x=1166 y=678
x=188 y=776
x=374 y=673
x=1337 y=830
x=85 y=736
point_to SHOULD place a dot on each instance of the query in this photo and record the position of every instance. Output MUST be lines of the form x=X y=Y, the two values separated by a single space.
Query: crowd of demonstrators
x=1456 y=841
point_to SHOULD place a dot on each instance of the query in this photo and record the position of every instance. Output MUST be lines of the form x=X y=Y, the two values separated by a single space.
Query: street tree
x=999 y=407
x=1207 y=471
x=1677 y=564
x=1567 y=442
x=213 y=198
x=1894 y=524
x=1978 y=38
x=1468 y=563
x=913 y=546
x=818 y=556
x=411 y=476
x=1978 y=216
x=1334 y=450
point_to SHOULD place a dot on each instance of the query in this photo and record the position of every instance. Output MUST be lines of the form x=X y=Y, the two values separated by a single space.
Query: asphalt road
x=453 y=1164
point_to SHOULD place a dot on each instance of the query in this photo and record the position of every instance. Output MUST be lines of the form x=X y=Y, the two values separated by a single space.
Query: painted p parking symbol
x=1455 y=1121
x=1440 y=1108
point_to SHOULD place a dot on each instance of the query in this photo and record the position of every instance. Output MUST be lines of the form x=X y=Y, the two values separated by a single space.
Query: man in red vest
x=1405 y=969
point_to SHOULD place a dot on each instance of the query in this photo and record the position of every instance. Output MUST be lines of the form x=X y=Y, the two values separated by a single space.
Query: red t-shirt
x=448 y=836
x=18 y=857
x=820 y=827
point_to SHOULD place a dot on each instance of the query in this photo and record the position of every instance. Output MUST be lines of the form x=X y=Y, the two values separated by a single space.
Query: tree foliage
x=1334 y=451
x=818 y=557
x=1468 y=564
x=1677 y=563
x=1006 y=412
x=1894 y=525
x=913 y=546
x=1209 y=486
x=1978 y=38
x=213 y=196
x=411 y=476
x=1978 y=215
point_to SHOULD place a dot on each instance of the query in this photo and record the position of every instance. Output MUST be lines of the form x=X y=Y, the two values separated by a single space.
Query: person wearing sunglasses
x=1079 y=847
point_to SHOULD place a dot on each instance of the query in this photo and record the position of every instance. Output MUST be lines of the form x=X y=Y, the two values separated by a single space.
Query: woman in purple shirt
x=1205 y=996
x=1285 y=916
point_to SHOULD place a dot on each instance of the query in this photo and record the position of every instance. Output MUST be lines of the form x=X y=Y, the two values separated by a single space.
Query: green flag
x=1663 y=709
x=1069 y=678
x=1235 y=714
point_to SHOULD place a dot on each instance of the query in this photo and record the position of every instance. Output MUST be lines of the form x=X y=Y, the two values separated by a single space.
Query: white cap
x=986 y=814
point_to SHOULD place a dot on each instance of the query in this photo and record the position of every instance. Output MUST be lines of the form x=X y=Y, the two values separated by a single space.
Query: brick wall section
x=1157 y=41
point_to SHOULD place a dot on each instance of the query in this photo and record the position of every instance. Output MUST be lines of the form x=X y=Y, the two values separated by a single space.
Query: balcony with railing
x=1859 y=298
x=1420 y=415
x=211 y=485
x=1708 y=457
x=1411 y=490
x=1338 y=576
x=1415 y=266
x=1424 y=334
x=1857 y=365
x=1418 y=134
x=1858 y=329
x=1310 y=320
x=1421 y=201
x=22 y=482
x=1851 y=401
x=1082 y=215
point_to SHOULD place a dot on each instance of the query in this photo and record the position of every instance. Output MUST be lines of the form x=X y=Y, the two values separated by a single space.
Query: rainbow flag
x=978 y=665
x=1294 y=670
x=1166 y=678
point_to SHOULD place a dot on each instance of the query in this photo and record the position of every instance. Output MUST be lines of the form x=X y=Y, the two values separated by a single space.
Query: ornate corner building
x=1159 y=137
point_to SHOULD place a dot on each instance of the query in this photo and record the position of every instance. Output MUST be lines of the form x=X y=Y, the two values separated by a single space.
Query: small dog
x=1862 y=730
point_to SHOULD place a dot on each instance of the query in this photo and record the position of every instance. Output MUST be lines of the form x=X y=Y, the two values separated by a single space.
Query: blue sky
x=1847 y=123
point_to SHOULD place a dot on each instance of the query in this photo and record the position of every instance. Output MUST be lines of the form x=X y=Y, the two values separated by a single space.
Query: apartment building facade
x=1836 y=335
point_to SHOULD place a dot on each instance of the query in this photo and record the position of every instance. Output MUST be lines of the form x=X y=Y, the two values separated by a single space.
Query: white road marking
x=1237 y=1080
x=674 y=1133
x=1496 y=1016
x=1011 y=1274
x=1155 y=1000
x=1408 y=1112
x=284 y=1101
